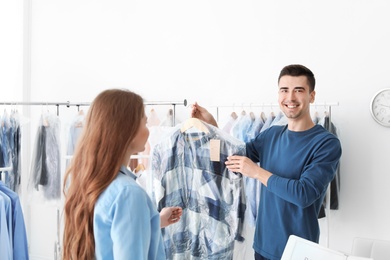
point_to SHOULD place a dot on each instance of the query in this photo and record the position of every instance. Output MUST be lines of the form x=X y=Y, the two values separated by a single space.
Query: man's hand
x=201 y=113
x=247 y=167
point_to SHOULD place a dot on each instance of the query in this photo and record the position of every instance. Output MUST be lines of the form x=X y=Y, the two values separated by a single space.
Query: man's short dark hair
x=297 y=70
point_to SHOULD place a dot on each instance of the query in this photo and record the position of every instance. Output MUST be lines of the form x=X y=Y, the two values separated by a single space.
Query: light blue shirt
x=18 y=228
x=5 y=242
x=126 y=224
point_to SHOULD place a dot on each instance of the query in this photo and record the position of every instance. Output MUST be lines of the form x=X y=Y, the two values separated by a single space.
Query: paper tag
x=215 y=148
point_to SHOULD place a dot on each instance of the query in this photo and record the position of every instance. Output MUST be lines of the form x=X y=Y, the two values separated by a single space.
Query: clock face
x=380 y=107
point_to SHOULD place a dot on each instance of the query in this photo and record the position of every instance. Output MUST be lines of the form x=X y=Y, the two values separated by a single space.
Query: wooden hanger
x=140 y=167
x=252 y=115
x=263 y=116
x=234 y=115
x=194 y=123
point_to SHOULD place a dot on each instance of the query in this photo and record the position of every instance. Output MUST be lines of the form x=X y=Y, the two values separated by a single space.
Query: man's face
x=294 y=97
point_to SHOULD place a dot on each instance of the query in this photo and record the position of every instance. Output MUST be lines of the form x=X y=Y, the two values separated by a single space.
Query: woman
x=107 y=214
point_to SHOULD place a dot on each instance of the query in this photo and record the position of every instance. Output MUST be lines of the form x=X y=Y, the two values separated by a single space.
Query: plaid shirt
x=211 y=196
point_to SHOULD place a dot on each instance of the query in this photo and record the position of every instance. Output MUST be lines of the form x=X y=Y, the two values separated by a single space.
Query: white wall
x=228 y=52
x=11 y=49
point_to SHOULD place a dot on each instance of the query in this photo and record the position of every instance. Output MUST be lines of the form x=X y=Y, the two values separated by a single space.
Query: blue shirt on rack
x=18 y=227
x=211 y=196
x=5 y=240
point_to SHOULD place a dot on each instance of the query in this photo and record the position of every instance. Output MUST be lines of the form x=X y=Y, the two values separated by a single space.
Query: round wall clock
x=380 y=107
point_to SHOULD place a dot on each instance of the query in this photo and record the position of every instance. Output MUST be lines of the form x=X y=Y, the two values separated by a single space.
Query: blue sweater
x=302 y=164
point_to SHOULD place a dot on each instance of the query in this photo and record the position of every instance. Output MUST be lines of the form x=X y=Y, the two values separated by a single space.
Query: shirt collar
x=124 y=170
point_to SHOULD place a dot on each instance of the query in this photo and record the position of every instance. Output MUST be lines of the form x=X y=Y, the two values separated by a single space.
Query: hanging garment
x=241 y=128
x=268 y=122
x=230 y=123
x=169 y=120
x=279 y=119
x=17 y=228
x=335 y=184
x=255 y=128
x=45 y=172
x=15 y=144
x=75 y=130
x=10 y=137
x=252 y=186
x=5 y=227
x=153 y=119
x=5 y=151
x=145 y=177
x=211 y=196
x=2 y=162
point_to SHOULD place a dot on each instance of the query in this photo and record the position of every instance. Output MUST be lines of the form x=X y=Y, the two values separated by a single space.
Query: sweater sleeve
x=315 y=178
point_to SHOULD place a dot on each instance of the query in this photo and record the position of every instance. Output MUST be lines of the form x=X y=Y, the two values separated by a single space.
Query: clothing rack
x=328 y=106
x=79 y=104
x=250 y=105
x=3 y=170
x=57 y=248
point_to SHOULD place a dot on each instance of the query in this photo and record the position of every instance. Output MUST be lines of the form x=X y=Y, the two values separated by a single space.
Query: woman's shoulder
x=122 y=186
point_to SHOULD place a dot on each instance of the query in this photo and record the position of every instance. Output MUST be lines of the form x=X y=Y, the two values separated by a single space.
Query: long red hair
x=111 y=124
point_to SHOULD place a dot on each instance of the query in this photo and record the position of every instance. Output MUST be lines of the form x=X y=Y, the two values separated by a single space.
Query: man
x=297 y=163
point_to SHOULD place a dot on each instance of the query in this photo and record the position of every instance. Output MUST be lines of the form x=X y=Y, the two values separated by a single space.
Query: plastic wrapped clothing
x=247 y=126
x=10 y=152
x=5 y=149
x=45 y=171
x=211 y=196
x=15 y=143
x=75 y=131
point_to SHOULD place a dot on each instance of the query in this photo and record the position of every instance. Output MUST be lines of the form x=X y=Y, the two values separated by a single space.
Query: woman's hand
x=170 y=215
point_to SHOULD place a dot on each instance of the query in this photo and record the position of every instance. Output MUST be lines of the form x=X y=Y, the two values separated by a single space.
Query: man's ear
x=312 y=96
